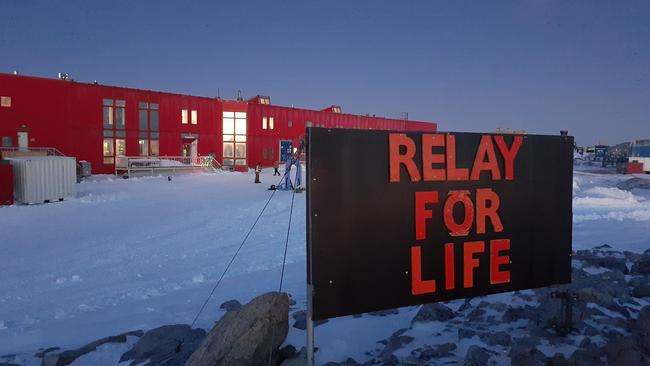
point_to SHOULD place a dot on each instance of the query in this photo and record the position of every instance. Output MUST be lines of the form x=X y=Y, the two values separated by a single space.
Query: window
x=234 y=138
x=195 y=117
x=5 y=101
x=309 y=124
x=264 y=124
x=143 y=145
x=109 y=152
x=120 y=147
x=264 y=153
x=271 y=156
x=289 y=124
x=270 y=123
x=148 y=126
x=114 y=120
x=154 y=148
x=6 y=141
x=184 y=116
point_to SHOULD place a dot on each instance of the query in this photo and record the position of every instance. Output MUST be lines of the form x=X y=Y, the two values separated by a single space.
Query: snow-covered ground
x=144 y=252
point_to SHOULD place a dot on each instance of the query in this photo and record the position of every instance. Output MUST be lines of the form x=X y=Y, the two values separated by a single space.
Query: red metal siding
x=69 y=116
x=6 y=184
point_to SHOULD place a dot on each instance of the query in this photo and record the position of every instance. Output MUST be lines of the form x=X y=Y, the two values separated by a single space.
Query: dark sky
x=535 y=65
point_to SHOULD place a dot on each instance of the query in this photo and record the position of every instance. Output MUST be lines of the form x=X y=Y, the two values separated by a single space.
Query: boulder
x=642 y=265
x=248 y=335
x=300 y=318
x=433 y=312
x=641 y=329
x=67 y=357
x=299 y=359
x=641 y=291
x=230 y=305
x=499 y=338
x=476 y=356
x=441 y=350
x=167 y=345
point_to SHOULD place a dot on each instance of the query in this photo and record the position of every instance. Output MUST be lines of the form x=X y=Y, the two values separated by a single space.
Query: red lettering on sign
x=454 y=173
x=485 y=150
x=419 y=286
x=469 y=262
x=450 y=280
x=421 y=212
x=509 y=154
x=496 y=246
x=395 y=142
x=454 y=228
x=483 y=211
x=429 y=158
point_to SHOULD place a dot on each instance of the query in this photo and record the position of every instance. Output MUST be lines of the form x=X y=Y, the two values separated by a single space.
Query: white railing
x=27 y=151
x=157 y=163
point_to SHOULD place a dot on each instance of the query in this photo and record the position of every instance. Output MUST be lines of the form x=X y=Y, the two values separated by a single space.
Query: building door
x=23 y=141
x=286 y=150
x=194 y=148
x=186 y=149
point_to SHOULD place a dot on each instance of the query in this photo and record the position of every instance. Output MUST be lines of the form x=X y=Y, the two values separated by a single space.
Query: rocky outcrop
x=248 y=335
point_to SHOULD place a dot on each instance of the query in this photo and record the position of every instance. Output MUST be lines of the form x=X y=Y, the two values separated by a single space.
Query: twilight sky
x=537 y=65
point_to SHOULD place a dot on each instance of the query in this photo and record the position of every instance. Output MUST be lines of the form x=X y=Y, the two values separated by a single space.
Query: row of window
x=194 y=114
x=116 y=146
x=114 y=114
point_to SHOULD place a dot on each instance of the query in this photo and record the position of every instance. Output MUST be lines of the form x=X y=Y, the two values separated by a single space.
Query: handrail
x=49 y=151
x=129 y=163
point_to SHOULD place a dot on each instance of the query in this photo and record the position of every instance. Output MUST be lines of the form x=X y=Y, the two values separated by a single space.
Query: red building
x=98 y=123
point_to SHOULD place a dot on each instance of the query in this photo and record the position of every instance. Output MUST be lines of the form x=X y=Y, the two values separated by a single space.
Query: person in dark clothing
x=258 y=170
x=276 y=165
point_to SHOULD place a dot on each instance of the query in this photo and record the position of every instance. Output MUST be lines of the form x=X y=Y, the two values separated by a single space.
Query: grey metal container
x=39 y=179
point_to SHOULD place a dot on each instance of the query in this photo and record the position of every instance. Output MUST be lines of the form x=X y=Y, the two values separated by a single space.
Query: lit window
x=120 y=147
x=184 y=116
x=5 y=101
x=155 y=148
x=108 y=116
x=195 y=117
x=264 y=123
x=234 y=138
x=144 y=147
x=109 y=151
x=271 y=123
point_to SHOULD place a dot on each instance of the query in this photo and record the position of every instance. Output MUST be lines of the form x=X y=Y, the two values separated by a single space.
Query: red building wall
x=68 y=115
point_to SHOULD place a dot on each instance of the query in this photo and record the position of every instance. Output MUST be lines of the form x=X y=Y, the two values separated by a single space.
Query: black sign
x=397 y=219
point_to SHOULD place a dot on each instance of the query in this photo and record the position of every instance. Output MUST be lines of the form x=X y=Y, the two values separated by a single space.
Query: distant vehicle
x=640 y=153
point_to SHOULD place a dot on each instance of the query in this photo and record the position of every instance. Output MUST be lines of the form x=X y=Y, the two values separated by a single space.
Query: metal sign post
x=310 y=328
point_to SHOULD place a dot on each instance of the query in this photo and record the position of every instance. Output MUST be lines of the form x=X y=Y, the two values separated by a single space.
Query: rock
x=300 y=318
x=393 y=343
x=641 y=291
x=287 y=352
x=513 y=314
x=622 y=351
x=528 y=357
x=498 y=306
x=642 y=265
x=248 y=335
x=299 y=359
x=42 y=353
x=348 y=362
x=476 y=356
x=441 y=350
x=230 y=305
x=499 y=338
x=609 y=262
x=67 y=357
x=162 y=346
x=465 y=333
x=583 y=357
x=475 y=314
x=641 y=329
x=586 y=341
x=384 y=312
x=433 y=312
